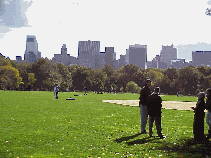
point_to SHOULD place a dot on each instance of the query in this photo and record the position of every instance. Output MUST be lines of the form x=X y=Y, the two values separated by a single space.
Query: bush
x=132 y=87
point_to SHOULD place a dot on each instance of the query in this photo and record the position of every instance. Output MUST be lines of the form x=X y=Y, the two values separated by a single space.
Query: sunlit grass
x=34 y=124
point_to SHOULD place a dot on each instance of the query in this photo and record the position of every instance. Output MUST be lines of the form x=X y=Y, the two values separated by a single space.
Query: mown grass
x=33 y=124
x=180 y=98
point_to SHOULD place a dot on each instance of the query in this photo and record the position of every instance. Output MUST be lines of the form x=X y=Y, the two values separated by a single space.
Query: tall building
x=31 y=53
x=88 y=53
x=138 y=55
x=114 y=56
x=64 y=58
x=167 y=54
x=127 y=57
x=90 y=47
x=109 y=51
x=179 y=63
x=122 y=61
x=201 y=58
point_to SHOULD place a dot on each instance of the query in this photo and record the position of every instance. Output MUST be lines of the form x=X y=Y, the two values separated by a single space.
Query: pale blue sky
x=114 y=23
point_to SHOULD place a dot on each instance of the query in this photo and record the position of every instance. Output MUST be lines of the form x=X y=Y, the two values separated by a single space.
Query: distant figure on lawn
x=208 y=107
x=85 y=89
x=154 y=110
x=144 y=95
x=198 y=123
x=56 y=90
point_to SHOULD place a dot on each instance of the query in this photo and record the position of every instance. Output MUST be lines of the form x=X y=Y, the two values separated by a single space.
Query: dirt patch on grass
x=177 y=105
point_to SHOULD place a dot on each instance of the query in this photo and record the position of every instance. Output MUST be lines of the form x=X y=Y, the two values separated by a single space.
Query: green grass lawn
x=33 y=124
x=180 y=98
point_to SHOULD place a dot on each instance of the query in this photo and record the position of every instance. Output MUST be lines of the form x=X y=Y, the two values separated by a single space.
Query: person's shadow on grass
x=139 y=141
x=187 y=147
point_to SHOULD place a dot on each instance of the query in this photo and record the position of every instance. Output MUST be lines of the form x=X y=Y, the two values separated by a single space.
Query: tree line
x=43 y=74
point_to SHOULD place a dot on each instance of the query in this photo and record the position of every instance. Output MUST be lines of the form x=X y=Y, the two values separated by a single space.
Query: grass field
x=33 y=124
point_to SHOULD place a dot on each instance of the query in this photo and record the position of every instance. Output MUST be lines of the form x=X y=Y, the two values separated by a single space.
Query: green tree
x=139 y=78
x=63 y=76
x=9 y=77
x=126 y=74
x=44 y=73
x=188 y=80
x=31 y=79
x=109 y=71
x=132 y=87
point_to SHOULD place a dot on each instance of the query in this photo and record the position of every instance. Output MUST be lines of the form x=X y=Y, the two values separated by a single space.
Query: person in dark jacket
x=198 y=123
x=144 y=94
x=154 y=110
x=56 y=90
x=208 y=107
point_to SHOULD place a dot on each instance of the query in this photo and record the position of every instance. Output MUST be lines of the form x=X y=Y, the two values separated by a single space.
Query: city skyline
x=152 y=23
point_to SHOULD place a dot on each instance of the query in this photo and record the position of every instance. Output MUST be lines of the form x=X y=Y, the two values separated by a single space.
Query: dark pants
x=157 y=119
x=56 y=95
x=198 y=126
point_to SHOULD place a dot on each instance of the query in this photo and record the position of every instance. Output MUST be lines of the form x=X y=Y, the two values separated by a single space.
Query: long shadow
x=187 y=148
x=142 y=141
x=139 y=141
x=126 y=138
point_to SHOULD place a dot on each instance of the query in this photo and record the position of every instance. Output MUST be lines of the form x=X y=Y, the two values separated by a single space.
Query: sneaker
x=162 y=137
x=144 y=132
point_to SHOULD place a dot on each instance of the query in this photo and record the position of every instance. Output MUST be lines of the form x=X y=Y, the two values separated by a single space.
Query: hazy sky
x=114 y=23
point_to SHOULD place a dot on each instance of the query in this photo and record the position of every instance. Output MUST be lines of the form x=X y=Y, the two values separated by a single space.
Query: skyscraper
x=109 y=55
x=201 y=58
x=167 y=54
x=138 y=55
x=89 y=47
x=31 y=53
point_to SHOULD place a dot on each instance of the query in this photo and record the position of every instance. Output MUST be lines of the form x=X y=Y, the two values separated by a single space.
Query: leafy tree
x=43 y=70
x=79 y=76
x=126 y=74
x=156 y=77
x=9 y=77
x=139 y=78
x=171 y=73
x=24 y=69
x=109 y=71
x=65 y=78
x=31 y=79
x=188 y=80
x=99 y=80
x=165 y=85
x=132 y=87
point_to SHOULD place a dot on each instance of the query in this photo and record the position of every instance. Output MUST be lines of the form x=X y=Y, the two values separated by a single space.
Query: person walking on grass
x=198 y=123
x=208 y=107
x=56 y=90
x=154 y=110
x=144 y=95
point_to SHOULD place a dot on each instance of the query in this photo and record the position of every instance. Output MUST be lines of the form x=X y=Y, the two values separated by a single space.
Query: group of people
x=151 y=104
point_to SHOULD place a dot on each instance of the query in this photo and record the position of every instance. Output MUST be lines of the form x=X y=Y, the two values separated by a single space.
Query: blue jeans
x=208 y=119
x=55 y=94
x=144 y=117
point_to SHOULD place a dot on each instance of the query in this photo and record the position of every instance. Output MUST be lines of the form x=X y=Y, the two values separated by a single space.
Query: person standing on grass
x=56 y=90
x=198 y=124
x=85 y=90
x=208 y=107
x=144 y=95
x=154 y=110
